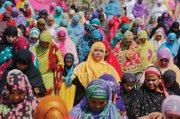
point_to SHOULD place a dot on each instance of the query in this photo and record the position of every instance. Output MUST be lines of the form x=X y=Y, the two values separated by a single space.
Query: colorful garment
x=168 y=20
x=75 y=29
x=67 y=45
x=128 y=5
x=16 y=80
x=50 y=61
x=83 y=46
x=147 y=51
x=166 y=53
x=58 y=15
x=140 y=9
x=128 y=56
x=90 y=70
x=112 y=9
x=5 y=5
x=119 y=35
x=172 y=47
x=68 y=90
x=111 y=59
x=97 y=88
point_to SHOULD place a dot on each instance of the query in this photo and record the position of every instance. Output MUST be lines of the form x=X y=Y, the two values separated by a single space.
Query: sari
x=50 y=62
x=90 y=70
x=147 y=50
x=128 y=56
x=16 y=80
x=97 y=88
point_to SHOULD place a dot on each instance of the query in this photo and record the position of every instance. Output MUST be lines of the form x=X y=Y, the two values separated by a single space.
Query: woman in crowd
x=128 y=54
x=140 y=9
x=169 y=78
x=18 y=100
x=58 y=15
x=50 y=61
x=111 y=59
x=112 y=9
x=75 y=29
x=65 y=44
x=171 y=107
x=175 y=28
x=34 y=37
x=146 y=48
x=23 y=62
x=172 y=44
x=68 y=90
x=150 y=96
x=158 y=39
x=165 y=62
x=119 y=35
x=167 y=18
x=97 y=103
x=51 y=107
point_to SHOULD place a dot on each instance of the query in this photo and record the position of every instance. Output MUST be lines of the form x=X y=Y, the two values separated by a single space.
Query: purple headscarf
x=164 y=53
x=20 y=19
x=140 y=9
x=168 y=20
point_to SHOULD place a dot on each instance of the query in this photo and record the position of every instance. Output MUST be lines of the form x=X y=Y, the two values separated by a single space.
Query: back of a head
x=51 y=107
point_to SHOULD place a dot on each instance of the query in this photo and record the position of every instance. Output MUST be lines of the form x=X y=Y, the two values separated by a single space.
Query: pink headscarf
x=52 y=5
x=64 y=5
x=21 y=43
x=67 y=45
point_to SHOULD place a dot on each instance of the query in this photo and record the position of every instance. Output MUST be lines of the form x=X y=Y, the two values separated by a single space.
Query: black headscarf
x=169 y=76
x=24 y=56
x=175 y=25
x=9 y=31
x=68 y=56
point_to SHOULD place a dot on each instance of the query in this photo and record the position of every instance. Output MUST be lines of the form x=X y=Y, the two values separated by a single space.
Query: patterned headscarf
x=97 y=35
x=97 y=89
x=16 y=80
x=34 y=32
x=21 y=43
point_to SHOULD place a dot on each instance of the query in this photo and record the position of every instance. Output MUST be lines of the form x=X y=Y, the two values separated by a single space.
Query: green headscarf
x=46 y=36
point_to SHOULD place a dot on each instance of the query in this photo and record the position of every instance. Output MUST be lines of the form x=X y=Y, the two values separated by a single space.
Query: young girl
x=17 y=99
x=97 y=103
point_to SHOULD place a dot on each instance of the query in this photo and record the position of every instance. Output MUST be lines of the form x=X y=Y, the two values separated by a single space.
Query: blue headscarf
x=172 y=47
x=84 y=44
x=75 y=30
x=97 y=88
x=57 y=16
x=3 y=8
x=97 y=35
x=112 y=9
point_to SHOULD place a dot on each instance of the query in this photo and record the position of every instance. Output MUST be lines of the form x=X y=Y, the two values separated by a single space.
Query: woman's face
x=96 y=104
x=163 y=63
x=61 y=38
x=44 y=44
x=127 y=43
x=34 y=40
x=22 y=67
x=158 y=37
x=50 y=22
x=68 y=62
x=171 y=42
x=98 y=54
x=142 y=40
x=152 y=81
x=11 y=39
x=17 y=96
x=128 y=86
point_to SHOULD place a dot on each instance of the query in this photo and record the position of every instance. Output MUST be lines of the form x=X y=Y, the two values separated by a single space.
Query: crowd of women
x=100 y=63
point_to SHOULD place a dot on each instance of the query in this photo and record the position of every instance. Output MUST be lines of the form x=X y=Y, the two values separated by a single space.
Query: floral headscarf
x=16 y=80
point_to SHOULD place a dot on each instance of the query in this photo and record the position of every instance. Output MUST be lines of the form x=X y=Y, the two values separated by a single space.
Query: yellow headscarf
x=46 y=36
x=91 y=70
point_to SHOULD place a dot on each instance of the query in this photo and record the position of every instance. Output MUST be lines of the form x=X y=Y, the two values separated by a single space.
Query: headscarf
x=111 y=59
x=21 y=43
x=34 y=33
x=140 y=10
x=5 y=5
x=171 y=105
x=164 y=53
x=175 y=25
x=90 y=70
x=53 y=106
x=112 y=9
x=58 y=15
x=172 y=47
x=67 y=46
x=68 y=71
x=97 y=35
x=96 y=89
x=52 y=5
x=20 y=19
x=64 y=23
x=128 y=77
x=169 y=20
x=16 y=80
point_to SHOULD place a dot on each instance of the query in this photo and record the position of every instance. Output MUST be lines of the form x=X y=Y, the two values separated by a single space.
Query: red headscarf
x=112 y=60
